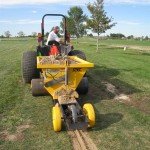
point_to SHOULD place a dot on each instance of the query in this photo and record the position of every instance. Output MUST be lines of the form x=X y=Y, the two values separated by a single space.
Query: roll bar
x=42 y=26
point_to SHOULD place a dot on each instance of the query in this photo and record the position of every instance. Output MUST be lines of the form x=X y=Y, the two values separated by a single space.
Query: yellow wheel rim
x=89 y=112
x=56 y=117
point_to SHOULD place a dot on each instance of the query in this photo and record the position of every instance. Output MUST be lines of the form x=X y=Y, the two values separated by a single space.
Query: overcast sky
x=131 y=16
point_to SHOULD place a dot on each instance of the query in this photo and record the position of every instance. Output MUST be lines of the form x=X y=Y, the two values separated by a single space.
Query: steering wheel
x=53 y=43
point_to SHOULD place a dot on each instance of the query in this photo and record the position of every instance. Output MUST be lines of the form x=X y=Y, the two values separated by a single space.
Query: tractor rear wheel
x=77 y=53
x=83 y=86
x=29 y=66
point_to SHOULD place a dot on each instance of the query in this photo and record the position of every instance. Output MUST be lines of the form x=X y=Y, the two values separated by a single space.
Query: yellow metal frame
x=75 y=74
x=82 y=64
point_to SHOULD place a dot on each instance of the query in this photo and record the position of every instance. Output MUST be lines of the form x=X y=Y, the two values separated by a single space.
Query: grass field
x=25 y=121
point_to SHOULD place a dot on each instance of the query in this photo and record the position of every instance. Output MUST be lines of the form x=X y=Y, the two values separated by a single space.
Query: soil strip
x=81 y=140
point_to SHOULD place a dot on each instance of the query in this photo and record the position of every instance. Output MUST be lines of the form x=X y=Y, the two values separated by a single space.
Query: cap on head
x=56 y=28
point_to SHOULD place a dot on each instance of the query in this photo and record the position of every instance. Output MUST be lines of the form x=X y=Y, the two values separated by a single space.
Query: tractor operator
x=53 y=36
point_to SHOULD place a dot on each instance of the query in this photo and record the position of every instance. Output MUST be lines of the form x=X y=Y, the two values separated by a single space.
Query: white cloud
x=21 y=21
x=34 y=11
x=38 y=2
x=26 y=21
x=68 y=2
x=128 y=22
x=128 y=1
x=5 y=21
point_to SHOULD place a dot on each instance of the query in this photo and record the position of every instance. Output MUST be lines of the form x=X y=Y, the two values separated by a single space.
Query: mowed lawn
x=25 y=121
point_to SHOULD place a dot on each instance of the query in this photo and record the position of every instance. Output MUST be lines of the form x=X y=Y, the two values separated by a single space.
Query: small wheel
x=83 y=86
x=38 y=87
x=74 y=113
x=56 y=118
x=89 y=112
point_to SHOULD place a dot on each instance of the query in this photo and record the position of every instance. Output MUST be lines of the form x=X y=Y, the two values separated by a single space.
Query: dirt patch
x=142 y=105
x=18 y=135
x=111 y=88
x=126 y=99
x=143 y=48
x=122 y=97
x=118 y=96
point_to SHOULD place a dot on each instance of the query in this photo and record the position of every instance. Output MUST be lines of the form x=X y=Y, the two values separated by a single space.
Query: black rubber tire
x=29 y=66
x=83 y=86
x=77 y=53
x=38 y=87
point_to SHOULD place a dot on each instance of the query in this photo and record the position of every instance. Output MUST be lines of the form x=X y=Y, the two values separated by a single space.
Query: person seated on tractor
x=53 y=37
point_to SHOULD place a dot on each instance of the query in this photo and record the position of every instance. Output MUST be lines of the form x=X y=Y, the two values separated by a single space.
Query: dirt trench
x=127 y=99
x=81 y=140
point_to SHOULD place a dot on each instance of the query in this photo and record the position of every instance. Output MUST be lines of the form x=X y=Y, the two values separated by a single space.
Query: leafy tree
x=7 y=34
x=46 y=34
x=2 y=36
x=116 y=35
x=90 y=35
x=130 y=37
x=34 y=34
x=75 y=21
x=21 y=34
x=146 y=38
x=99 y=22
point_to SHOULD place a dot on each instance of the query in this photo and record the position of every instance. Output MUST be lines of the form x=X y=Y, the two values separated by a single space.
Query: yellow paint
x=89 y=112
x=56 y=118
x=52 y=72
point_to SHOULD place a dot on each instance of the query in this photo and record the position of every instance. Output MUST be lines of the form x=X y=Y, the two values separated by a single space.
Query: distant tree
x=75 y=21
x=34 y=34
x=21 y=34
x=90 y=35
x=108 y=36
x=7 y=34
x=99 y=22
x=46 y=34
x=146 y=38
x=70 y=26
x=142 y=37
x=116 y=35
x=2 y=36
x=130 y=37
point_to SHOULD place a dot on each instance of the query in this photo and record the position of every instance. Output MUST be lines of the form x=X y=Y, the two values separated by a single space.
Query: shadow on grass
x=136 y=53
x=100 y=45
x=100 y=74
x=147 y=54
x=114 y=48
x=105 y=120
x=97 y=88
x=98 y=92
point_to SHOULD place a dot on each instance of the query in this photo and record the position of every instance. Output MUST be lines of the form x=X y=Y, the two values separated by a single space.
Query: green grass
x=127 y=42
x=118 y=125
x=119 y=42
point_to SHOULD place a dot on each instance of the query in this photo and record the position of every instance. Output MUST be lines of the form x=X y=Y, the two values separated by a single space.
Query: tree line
x=7 y=34
x=78 y=23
